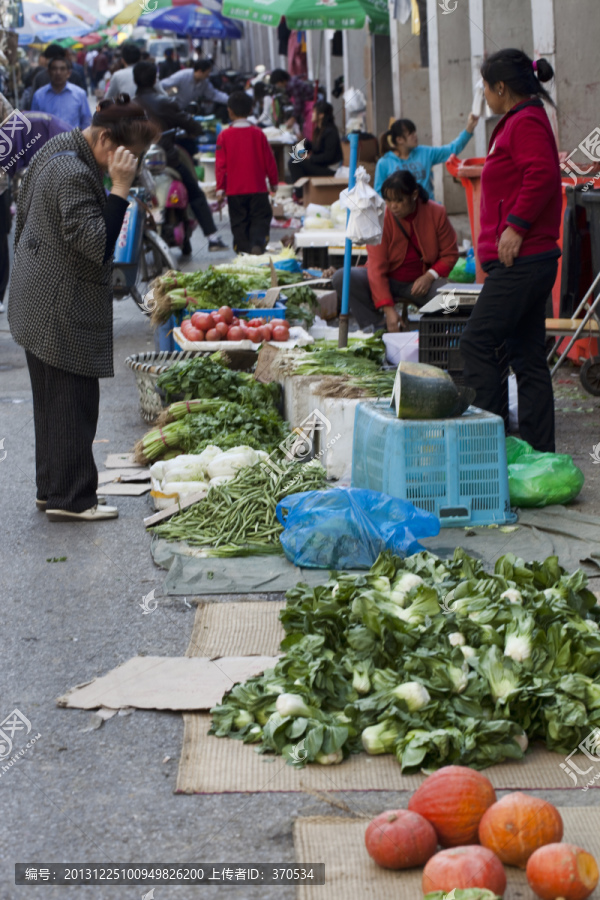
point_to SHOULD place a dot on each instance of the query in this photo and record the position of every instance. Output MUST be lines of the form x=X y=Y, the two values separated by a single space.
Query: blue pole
x=343 y=329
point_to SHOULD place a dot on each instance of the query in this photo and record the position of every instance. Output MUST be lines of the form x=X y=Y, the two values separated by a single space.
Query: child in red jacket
x=244 y=164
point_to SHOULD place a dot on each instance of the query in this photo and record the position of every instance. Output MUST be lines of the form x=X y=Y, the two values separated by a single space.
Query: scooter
x=141 y=253
x=171 y=212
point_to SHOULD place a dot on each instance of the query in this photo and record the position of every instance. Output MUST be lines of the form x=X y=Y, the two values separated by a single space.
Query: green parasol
x=312 y=14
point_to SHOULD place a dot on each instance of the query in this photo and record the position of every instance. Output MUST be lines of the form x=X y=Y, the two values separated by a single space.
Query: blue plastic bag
x=288 y=265
x=347 y=528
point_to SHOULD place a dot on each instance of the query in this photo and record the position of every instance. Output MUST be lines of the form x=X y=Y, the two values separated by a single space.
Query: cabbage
x=183 y=487
x=231 y=461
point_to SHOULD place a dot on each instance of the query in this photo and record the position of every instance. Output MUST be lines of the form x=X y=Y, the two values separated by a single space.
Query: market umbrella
x=193 y=21
x=301 y=15
x=44 y=23
x=132 y=12
x=79 y=10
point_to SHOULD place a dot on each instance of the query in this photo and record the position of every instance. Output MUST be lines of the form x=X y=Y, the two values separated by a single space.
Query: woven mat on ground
x=245 y=628
x=350 y=872
x=214 y=765
x=573 y=536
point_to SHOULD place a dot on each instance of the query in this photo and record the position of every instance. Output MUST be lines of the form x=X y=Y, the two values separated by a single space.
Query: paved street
x=106 y=795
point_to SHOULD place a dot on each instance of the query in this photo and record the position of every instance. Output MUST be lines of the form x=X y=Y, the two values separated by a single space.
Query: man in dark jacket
x=168 y=115
x=170 y=64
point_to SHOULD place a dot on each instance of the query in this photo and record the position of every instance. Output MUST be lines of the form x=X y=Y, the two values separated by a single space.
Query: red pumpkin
x=517 y=825
x=399 y=839
x=454 y=800
x=562 y=870
x=464 y=867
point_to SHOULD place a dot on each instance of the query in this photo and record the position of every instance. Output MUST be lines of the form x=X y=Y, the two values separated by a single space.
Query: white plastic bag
x=513 y=404
x=354 y=102
x=367 y=209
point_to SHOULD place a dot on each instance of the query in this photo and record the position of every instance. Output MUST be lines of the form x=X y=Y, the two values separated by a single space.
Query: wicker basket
x=148 y=366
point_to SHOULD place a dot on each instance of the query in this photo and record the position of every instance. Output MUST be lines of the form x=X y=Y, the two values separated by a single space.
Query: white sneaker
x=94 y=514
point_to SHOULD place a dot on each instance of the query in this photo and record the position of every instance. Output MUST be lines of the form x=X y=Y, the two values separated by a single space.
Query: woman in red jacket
x=417 y=253
x=517 y=247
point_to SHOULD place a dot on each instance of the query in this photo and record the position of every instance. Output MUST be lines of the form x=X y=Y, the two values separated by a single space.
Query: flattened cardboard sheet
x=156 y=682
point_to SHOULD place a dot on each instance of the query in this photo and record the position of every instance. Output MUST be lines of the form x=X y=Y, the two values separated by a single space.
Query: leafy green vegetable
x=433 y=660
x=301 y=305
x=232 y=424
x=206 y=377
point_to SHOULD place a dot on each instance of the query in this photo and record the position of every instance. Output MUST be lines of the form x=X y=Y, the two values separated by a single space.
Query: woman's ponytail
x=385 y=143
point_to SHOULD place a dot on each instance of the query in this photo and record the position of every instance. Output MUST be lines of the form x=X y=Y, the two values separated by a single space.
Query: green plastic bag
x=460 y=273
x=540 y=479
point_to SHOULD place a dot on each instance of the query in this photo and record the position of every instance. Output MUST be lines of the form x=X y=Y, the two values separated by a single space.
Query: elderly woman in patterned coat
x=60 y=301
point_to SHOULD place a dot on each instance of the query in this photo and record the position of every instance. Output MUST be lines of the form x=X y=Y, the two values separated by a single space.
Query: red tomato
x=185 y=325
x=217 y=317
x=235 y=321
x=194 y=334
x=284 y=322
x=280 y=333
x=244 y=329
x=267 y=332
x=235 y=333
x=255 y=323
x=222 y=328
x=203 y=321
x=227 y=313
x=213 y=335
x=255 y=335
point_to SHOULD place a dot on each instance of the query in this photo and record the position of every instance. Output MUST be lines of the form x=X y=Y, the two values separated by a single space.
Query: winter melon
x=426 y=392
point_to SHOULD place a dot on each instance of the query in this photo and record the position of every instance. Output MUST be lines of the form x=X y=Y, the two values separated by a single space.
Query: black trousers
x=511 y=309
x=198 y=201
x=65 y=416
x=5 y=226
x=361 y=302
x=306 y=168
x=250 y=220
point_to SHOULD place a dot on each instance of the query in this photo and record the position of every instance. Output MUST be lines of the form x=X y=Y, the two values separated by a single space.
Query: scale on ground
x=451 y=298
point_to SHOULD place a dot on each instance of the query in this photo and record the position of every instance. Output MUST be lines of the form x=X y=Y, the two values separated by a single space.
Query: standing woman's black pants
x=65 y=416
x=511 y=309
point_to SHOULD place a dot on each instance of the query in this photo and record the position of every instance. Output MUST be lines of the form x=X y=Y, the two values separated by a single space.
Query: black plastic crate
x=439 y=345
x=439 y=341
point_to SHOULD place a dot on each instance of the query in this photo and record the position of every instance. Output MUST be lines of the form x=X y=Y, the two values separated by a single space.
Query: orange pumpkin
x=517 y=825
x=399 y=839
x=464 y=867
x=454 y=799
x=562 y=870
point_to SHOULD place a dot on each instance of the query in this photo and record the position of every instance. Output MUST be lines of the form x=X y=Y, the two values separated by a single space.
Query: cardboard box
x=278 y=212
x=322 y=189
x=368 y=151
x=370 y=168
x=328 y=304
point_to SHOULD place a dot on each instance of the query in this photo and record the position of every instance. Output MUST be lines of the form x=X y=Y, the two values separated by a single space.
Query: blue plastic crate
x=455 y=468
x=276 y=313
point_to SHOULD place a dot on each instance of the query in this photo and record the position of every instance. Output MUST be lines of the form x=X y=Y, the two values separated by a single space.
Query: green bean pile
x=238 y=518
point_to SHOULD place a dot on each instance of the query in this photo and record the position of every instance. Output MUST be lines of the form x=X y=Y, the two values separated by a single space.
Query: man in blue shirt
x=61 y=98
x=400 y=149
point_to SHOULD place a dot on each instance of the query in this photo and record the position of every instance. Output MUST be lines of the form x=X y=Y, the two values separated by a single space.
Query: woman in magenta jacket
x=517 y=246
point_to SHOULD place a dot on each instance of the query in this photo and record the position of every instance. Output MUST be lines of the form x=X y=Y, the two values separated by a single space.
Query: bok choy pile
x=435 y=661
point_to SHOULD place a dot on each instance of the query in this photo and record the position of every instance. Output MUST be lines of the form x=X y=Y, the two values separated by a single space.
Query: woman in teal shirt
x=400 y=150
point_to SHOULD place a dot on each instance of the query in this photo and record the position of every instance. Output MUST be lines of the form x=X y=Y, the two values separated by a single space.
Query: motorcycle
x=141 y=253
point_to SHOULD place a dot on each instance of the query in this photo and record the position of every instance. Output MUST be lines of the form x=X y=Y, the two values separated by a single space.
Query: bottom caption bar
x=169 y=873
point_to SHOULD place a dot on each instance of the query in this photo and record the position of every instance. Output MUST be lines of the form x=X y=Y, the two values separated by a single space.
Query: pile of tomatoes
x=224 y=326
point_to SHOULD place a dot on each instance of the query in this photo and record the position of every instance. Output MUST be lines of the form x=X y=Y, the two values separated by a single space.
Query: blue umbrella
x=193 y=21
